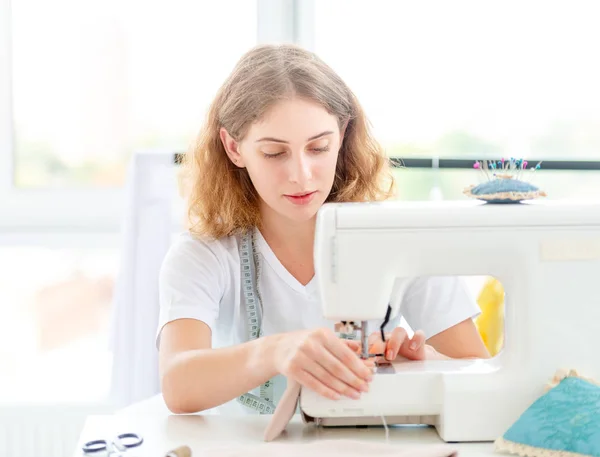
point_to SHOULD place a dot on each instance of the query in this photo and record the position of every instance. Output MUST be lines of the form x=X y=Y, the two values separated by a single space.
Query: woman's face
x=291 y=156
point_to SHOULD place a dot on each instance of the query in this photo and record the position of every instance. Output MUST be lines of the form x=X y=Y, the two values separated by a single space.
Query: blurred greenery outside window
x=435 y=78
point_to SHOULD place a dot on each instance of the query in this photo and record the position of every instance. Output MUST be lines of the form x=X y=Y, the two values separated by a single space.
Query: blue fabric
x=566 y=418
x=502 y=185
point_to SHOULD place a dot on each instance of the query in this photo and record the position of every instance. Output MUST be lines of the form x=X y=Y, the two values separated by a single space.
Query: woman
x=239 y=306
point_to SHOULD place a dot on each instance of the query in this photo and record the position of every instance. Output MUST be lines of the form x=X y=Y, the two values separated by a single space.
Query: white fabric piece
x=146 y=236
x=329 y=448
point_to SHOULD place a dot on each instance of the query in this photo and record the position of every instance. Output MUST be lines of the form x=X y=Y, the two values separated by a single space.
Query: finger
x=417 y=341
x=357 y=346
x=340 y=370
x=353 y=344
x=397 y=339
x=308 y=380
x=370 y=362
x=376 y=345
x=414 y=348
x=374 y=338
x=346 y=359
x=332 y=382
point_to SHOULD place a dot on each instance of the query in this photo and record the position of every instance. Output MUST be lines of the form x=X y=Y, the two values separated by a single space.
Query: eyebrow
x=276 y=140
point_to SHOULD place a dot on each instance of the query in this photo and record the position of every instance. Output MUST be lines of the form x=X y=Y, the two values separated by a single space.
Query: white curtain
x=147 y=230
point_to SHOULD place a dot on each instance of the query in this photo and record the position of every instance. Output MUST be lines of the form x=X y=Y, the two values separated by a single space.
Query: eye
x=320 y=146
x=272 y=156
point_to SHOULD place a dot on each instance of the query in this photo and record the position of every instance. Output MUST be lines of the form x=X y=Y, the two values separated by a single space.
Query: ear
x=231 y=148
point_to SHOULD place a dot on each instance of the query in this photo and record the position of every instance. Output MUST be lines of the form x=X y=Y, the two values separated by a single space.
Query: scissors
x=123 y=442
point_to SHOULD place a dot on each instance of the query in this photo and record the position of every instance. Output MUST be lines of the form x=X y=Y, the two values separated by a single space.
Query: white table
x=163 y=431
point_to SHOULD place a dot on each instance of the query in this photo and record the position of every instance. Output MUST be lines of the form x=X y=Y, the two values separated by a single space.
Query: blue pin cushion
x=504 y=186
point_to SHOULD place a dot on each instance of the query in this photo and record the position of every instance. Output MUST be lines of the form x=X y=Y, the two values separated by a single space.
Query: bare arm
x=460 y=341
x=194 y=377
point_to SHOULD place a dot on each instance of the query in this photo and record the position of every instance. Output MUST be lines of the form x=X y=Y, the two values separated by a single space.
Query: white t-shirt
x=200 y=279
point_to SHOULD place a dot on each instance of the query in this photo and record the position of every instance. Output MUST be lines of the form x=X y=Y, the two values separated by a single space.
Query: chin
x=301 y=215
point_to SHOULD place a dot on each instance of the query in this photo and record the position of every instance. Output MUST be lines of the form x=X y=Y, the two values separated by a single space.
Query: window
x=55 y=300
x=470 y=79
x=82 y=86
x=94 y=81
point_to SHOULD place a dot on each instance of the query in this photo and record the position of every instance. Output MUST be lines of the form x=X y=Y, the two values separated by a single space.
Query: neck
x=294 y=236
x=291 y=242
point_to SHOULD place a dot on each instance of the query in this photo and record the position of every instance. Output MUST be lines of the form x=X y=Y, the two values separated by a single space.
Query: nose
x=300 y=169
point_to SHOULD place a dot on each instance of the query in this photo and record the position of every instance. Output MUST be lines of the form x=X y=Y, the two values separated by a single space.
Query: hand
x=323 y=362
x=398 y=343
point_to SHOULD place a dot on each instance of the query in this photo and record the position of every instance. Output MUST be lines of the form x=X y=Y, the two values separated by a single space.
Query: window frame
x=463 y=163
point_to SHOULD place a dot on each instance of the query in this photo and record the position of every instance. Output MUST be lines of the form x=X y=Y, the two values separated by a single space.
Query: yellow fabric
x=490 y=323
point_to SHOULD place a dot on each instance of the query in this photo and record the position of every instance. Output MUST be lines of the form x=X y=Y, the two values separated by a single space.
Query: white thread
x=387 y=430
x=385 y=425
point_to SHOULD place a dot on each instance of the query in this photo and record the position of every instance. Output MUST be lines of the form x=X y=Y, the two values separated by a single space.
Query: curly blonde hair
x=221 y=198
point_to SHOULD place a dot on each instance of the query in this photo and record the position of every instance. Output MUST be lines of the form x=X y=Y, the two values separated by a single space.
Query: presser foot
x=349 y=328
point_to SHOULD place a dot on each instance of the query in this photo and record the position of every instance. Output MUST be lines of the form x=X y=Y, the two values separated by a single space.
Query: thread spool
x=181 y=451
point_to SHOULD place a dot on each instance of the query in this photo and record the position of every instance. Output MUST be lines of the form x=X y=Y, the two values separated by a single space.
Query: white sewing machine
x=546 y=255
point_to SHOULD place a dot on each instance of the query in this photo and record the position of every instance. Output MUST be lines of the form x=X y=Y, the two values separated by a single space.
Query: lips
x=302 y=194
x=301 y=198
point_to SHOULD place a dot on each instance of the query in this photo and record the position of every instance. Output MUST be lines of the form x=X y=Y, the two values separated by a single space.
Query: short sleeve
x=434 y=304
x=191 y=283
